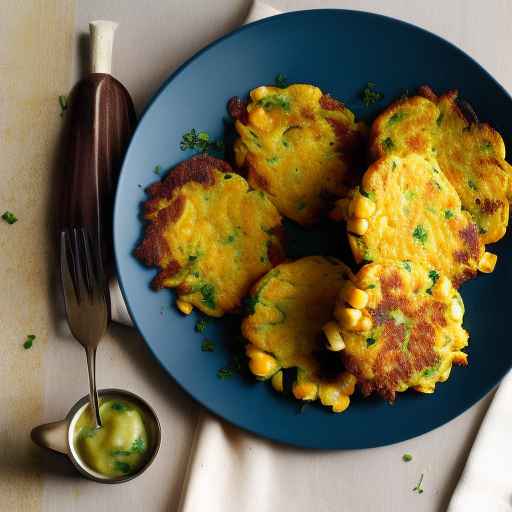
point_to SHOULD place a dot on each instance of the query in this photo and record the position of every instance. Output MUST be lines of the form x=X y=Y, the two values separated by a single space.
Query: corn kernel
x=305 y=391
x=443 y=288
x=263 y=365
x=340 y=210
x=365 y=324
x=487 y=262
x=347 y=317
x=259 y=118
x=335 y=341
x=358 y=226
x=362 y=208
x=185 y=307
x=356 y=297
x=277 y=381
x=341 y=404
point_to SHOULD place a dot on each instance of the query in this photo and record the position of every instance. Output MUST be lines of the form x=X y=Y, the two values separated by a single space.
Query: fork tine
x=77 y=251
x=68 y=266
x=85 y=256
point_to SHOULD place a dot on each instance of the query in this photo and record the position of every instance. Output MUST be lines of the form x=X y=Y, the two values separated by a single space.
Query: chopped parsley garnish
x=192 y=258
x=274 y=100
x=418 y=487
x=420 y=234
x=369 y=95
x=482 y=230
x=250 y=305
x=487 y=146
x=407 y=457
x=63 y=102
x=201 y=324
x=157 y=169
x=388 y=144
x=138 y=446
x=428 y=372
x=472 y=185
x=123 y=467
x=448 y=214
x=119 y=407
x=208 y=293
x=281 y=81
x=120 y=453
x=200 y=141
x=433 y=276
x=228 y=176
x=371 y=286
x=9 y=217
x=29 y=341
x=225 y=373
x=370 y=342
x=273 y=160
x=407 y=266
x=397 y=117
x=369 y=195
x=207 y=345
x=439 y=119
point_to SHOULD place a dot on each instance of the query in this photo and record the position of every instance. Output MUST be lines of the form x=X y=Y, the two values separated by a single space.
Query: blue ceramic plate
x=340 y=51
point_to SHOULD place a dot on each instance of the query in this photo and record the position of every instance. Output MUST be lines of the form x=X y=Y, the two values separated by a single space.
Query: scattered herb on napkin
x=419 y=488
x=9 y=217
x=207 y=345
x=407 y=457
x=29 y=341
x=63 y=102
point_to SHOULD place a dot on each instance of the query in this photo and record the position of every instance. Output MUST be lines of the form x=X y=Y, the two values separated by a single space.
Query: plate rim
x=485 y=390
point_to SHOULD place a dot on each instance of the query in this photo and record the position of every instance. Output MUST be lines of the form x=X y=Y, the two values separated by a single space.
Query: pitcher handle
x=52 y=436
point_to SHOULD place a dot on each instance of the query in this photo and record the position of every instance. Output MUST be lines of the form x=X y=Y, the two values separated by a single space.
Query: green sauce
x=120 y=446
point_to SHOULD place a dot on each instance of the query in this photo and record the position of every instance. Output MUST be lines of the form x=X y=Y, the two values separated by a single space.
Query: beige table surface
x=39 y=50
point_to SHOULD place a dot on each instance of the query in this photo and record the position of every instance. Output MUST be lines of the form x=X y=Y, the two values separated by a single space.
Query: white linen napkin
x=230 y=470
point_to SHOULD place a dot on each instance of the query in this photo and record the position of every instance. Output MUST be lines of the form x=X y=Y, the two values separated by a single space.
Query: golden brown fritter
x=210 y=236
x=290 y=305
x=471 y=154
x=301 y=146
x=402 y=328
x=407 y=210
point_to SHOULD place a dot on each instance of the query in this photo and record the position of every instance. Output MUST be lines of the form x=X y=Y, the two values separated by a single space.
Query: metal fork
x=86 y=299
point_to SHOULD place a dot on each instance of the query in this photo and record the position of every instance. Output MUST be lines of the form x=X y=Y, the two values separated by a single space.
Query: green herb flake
x=119 y=407
x=208 y=293
x=199 y=141
x=274 y=101
x=397 y=117
x=369 y=95
x=29 y=341
x=371 y=286
x=120 y=453
x=433 y=276
x=370 y=341
x=428 y=372
x=250 y=305
x=487 y=147
x=138 y=446
x=225 y=373
x=207 y=345
x=273 y=160
x=439 y=119
x=9 y=217
x=482 y=230
x=388 y=144
x=419 y=488
x=281 y=81
x=63 y=103
x=420 y=234
x=407 y=266
x=448 y=214
x=228 y=176
x=472 y=185
x=157 y=169
x=201 y=324
x=407 y=457
x=192 y=258
x=122 y=467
